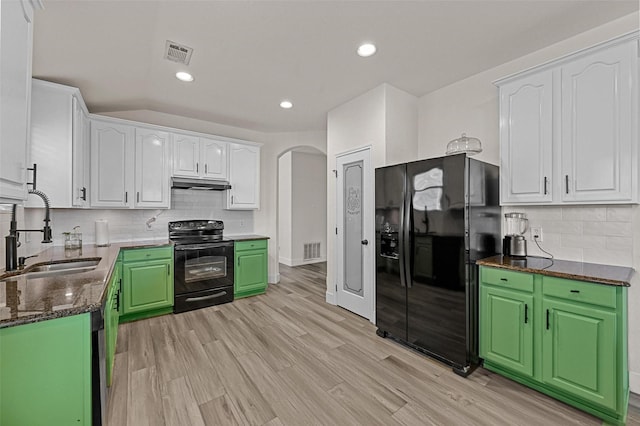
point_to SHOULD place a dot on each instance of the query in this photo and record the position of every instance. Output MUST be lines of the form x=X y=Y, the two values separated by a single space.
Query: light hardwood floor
x=289 y=358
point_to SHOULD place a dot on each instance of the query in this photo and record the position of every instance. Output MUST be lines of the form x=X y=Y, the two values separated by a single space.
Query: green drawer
x=135 y=255
x=251 y=245
x=580 y=291
x=508 y=279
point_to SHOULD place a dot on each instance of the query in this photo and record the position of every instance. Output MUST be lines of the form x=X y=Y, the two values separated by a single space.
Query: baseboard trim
x=274 y=278
x=634 y=382
x=330 y=297
x=300 y=262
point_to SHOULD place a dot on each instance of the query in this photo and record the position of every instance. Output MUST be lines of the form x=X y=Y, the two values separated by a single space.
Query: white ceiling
x=250 y=55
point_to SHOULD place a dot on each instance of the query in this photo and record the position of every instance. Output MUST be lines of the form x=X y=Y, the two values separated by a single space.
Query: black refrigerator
x=434 y=219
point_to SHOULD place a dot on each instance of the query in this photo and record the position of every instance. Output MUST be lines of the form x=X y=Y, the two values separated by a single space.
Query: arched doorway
x=302 y=206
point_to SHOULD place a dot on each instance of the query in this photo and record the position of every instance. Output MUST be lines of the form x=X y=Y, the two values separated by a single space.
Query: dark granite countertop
x=249 y=237
x=25 y=300
x=592 y=272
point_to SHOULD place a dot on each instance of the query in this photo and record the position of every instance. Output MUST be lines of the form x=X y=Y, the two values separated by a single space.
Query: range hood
x=201 y=184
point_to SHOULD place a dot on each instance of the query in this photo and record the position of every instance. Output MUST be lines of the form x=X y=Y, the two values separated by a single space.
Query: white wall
x=284 y=208
x=384 y=118
x=309 y=205
x=596 y=234
x=266 y=219
x=401 y=126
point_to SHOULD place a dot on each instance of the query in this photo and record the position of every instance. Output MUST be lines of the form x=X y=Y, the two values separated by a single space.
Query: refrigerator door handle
x=408 y=240
x=401 y=240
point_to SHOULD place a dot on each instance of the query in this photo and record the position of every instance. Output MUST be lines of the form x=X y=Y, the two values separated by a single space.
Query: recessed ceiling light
x=184 y=76
x=286 y=104
x=366 y=49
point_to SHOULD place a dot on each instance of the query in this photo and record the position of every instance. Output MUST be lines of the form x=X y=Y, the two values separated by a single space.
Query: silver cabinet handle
x=566 y=183
x=138 y=197
x=197 y=168
x=205 y=168
x=545 y=185
x=126 y=197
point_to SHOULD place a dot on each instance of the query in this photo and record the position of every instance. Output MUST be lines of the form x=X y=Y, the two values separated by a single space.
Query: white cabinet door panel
x=186 y=155
x=244 y=177
x=80 y=156
x=16 y=31
x=596 y=126
x=111 y=164
x=214 y=156
x=526 y=139
x=152 y=169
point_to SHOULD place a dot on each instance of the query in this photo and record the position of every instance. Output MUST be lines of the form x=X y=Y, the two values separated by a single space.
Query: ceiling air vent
x=177 y=52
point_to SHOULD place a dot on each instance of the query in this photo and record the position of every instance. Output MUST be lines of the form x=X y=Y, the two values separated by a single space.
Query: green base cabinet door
x=250 y=276
x=45 y=378
x=147 y=283
x=579 y=351
x=111 y=320
x=147 y=286
x=507 y=329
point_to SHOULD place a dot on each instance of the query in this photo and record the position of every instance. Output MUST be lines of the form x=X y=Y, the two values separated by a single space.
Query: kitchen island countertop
x=592 y=272
x=25 y=300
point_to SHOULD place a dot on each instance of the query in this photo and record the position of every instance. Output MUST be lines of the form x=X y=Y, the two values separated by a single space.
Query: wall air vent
x=177 y=52
x=311 y=251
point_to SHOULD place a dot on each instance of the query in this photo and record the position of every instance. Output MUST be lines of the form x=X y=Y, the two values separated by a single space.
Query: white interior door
x=355 y=289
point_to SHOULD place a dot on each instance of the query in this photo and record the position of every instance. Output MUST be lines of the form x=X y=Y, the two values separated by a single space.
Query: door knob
x=365 y=242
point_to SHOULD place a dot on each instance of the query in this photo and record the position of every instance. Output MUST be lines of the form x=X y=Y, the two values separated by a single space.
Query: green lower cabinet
x=562 y=337
x=147 y=283
x=111 y=319
x=46 y=373
x=579 y=351
x=250 y=276
x=507 y=328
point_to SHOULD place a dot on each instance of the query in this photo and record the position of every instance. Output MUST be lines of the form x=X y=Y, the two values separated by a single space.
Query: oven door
x=200 y=267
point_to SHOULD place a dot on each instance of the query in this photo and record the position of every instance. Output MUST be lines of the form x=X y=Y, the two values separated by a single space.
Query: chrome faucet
x=12 y=240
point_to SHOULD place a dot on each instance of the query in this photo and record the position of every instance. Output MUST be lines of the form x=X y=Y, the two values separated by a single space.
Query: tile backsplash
x=126 y=224
x=594 y=233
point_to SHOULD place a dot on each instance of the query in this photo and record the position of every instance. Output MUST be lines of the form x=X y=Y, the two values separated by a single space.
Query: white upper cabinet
x=129 y=166
x=569 y=129
x=526 y=138
x=81 y=149
x=244 y=177
x=186 y=155
x=213 y=154
x=112 y=162
x=59 y=135
x=199 y=157
x=599 y=97
x=152 y=169
x=16 y=43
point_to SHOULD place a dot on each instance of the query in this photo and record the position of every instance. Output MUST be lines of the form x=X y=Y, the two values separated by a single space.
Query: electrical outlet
x=536 y=234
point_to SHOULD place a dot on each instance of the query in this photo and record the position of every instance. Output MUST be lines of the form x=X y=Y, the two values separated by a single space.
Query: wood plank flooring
x=289 y=358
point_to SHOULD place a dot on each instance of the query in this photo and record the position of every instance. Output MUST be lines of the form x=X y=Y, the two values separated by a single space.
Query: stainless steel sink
x=61 y=268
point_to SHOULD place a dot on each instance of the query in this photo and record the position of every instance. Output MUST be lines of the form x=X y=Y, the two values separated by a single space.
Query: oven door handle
x=211 y=296
x=193 y=247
